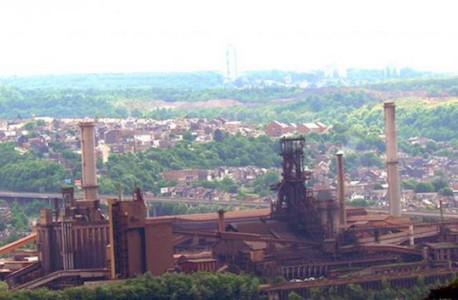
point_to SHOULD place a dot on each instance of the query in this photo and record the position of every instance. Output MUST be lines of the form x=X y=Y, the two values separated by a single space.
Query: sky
x=81 y=36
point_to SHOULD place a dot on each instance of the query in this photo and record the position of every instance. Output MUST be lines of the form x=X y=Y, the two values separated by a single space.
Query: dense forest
x=26 y=172
x=432 y=86
x=143 y=169
x=20 y=103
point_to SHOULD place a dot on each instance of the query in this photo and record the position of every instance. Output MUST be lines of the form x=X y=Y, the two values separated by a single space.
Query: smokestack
x=394 y=189
x=341 y=188
x=221 y=227
x=89 y=180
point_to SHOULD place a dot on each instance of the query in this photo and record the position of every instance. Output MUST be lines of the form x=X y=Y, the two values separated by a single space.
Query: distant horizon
x=22 y=75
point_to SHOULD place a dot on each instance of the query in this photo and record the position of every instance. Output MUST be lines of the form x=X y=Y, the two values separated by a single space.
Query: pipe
x=221 y=227
x=341 y=189
x=394 y=194
x=89 y=172
x=411 y=236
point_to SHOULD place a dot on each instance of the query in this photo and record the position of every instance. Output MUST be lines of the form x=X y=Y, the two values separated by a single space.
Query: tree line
x=221 y=286
x=209 y=286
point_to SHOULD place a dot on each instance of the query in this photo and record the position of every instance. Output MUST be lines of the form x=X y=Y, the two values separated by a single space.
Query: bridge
x=24 y=197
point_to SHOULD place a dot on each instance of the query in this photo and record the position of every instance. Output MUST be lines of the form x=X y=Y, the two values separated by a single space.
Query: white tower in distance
x=231 y=63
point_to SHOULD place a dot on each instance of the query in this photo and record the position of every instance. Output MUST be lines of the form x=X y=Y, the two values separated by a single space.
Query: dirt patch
x=160 y=104
x=214 y=103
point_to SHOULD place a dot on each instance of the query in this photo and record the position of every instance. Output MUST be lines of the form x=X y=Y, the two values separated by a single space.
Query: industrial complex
x=308 y=237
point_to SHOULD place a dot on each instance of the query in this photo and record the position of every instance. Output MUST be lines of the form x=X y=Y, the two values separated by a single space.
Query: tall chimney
x=89 y=180
x=341 y=188
x=394 y=189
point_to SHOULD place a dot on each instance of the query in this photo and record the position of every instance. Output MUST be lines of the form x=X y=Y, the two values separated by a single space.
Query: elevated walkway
x=71 y=275
x=391 y=248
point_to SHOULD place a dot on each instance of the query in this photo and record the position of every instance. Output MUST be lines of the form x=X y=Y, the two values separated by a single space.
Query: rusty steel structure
x=138 y=245
x=294 y=205
x=305 y=234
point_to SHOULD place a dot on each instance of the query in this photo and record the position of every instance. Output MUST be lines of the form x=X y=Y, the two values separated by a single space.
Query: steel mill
x=309 y=237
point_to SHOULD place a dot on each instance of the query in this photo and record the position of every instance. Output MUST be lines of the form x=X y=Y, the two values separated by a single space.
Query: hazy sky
x=76 y=36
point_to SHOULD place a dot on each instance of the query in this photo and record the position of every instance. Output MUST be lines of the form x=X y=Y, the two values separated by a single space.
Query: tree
x=355 y=292
x=188 y=137
x=370 y=159
x=33 y=208
x=446 y=192
x=218 y=135
x=315 y=293
x=439 y=184
x=19 y=220
x=262 y=183
x=424 y=187
x=361 y=203
x=294 y=296
x=2 y=224
x=228 y=185
x=409 y=184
